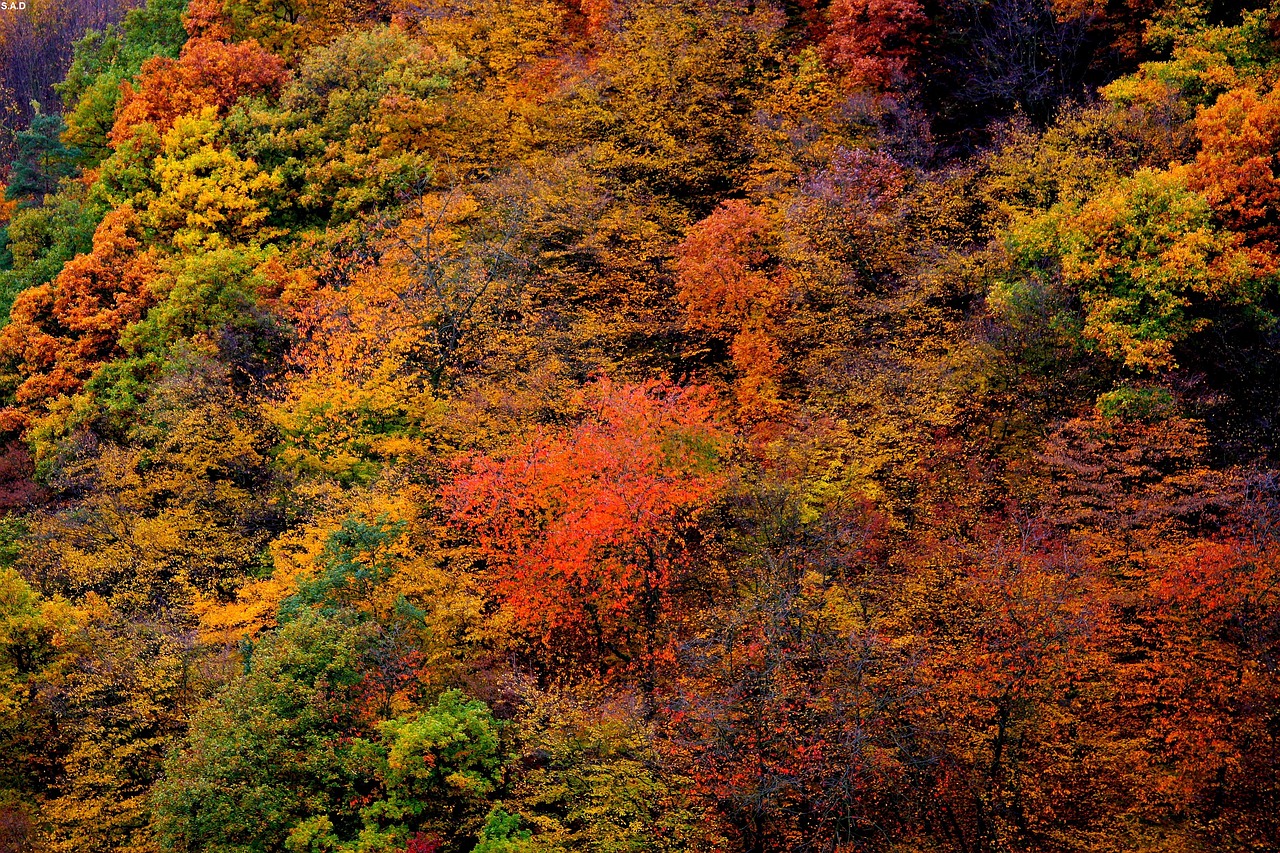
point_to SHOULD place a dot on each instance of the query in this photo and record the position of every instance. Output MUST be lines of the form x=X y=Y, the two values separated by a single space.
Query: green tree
x=354 y=561
x=42 y=160
x=1147 y=262
x=285 y=758
x=277 y=748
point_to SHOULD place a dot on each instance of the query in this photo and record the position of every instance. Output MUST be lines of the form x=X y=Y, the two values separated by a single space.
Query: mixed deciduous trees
x=538 y=426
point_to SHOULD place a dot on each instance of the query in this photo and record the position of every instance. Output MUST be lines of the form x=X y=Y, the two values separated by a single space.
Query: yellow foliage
x=208 y=197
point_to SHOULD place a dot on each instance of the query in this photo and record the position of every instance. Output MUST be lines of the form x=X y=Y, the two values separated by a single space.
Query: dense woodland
x=535 y=426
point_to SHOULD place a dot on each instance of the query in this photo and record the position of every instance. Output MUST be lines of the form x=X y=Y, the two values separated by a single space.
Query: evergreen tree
x=42 y=160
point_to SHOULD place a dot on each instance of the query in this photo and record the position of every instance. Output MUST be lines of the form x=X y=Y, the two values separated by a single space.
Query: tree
x=587 y=533
x=207 y=73
x=361 y=121
x=675 y=121
x=1014 y=679
x=186 y=515
x=284 y=759
x=41 y=161
x=1143 y=257
x=796 y=710
x=42 y=239
x=354 y=563
x=122 y=691
x=289 y=27
x=732 y=286
x=102 y=60
x=206 y=197
x=1238 y=166
x=36 y=43
x=437 y=770
x=872 y=43
x=592 y=777
x=1210 y=680
x=281 y=746
x=60 y=332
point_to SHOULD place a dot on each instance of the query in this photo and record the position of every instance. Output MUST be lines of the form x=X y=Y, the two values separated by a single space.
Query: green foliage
x=353 y=563
x=355 y=124
x=283 y=760
x=1137 y=404
x=202 y=293
x=501 y=833
x=438 y=770
x=1144 y=257
x=42 y=239
x=103 y=60
x=42 y=160
x=274 y=750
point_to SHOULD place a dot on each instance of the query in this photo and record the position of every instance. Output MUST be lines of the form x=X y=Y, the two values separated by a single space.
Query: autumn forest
x=688 y=426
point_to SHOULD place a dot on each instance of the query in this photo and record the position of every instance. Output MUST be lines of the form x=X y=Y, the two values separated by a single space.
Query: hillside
x=537 y=426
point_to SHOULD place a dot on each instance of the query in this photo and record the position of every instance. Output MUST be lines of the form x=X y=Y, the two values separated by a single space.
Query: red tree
x=872 y=42
x=60 y=332
x=586 y=532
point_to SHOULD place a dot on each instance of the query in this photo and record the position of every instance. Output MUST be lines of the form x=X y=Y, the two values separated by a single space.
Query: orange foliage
x=60 y=332
x=1015 y=673
x=731 y=286
x=207 y=19
x=7 y=208
x=1238 y=167
x=1211 y=679
x=723 y=264
x=586 y=531
x=209 y=72
x=1121 y=486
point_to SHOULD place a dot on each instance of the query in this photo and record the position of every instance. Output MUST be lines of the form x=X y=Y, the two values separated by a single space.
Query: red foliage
x=423 y=842
x=18 y=491
x=595 y=13
x=585 y=531
x=872 y=42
